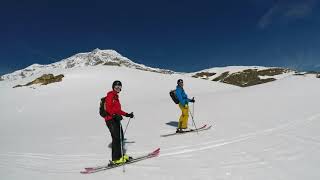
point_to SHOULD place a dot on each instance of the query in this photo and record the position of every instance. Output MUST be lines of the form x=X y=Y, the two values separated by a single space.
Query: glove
x=192 y=100
x=117 y=117
x=130 y=115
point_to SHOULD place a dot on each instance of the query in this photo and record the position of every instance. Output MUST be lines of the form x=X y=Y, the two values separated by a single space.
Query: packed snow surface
x=269 y=131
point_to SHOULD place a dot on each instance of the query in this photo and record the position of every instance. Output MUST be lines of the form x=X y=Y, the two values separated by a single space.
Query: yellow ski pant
x=183 y=121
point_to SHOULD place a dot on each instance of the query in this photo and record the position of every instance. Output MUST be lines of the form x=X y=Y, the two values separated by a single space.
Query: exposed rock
x=22 y=75
x=70 y=64
x=250 y=77
x=111 y=63
x=318 y=76
x=44 y=80
x=221 y=77
x=246 y=78
x=204 y=75
x=18 y=86
x=273 y=71
x=154 y=70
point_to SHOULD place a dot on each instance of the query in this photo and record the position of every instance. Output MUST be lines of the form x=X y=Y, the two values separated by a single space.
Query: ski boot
x=120 y=161
x=127 y=158
x=179 y=130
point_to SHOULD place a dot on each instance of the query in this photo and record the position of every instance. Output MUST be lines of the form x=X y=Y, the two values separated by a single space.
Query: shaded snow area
x=264 y=132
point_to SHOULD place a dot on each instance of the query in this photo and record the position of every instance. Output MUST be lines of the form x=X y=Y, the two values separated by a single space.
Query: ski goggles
x=118 y=87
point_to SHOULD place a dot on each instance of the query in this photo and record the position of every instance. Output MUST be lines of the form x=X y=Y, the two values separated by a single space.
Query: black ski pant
x=115 y=129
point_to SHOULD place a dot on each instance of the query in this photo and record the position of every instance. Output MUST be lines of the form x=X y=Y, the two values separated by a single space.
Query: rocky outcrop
x=221 y=77
x=44 y=80
x=204 y=75
x=111 y=64
x=251 y=77
x=244 y=77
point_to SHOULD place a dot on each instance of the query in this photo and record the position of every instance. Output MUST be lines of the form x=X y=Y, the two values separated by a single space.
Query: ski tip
x=84 y=172
x=88 y=169
x=155 y=152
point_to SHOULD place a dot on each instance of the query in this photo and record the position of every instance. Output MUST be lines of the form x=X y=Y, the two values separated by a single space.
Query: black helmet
x=179 y=81
x=116 y=83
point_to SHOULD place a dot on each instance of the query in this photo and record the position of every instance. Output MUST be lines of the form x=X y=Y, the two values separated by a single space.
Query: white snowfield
x=264 y=132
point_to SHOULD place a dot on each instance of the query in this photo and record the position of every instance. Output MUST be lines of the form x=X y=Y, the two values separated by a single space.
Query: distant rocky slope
x=243 y=76
x=44 y=80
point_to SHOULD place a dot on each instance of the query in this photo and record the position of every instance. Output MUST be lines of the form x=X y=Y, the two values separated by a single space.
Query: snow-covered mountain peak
x=97 y=57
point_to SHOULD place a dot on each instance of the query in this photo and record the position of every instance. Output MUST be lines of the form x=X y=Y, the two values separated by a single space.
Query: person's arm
x=187 y=98
x=120 y=112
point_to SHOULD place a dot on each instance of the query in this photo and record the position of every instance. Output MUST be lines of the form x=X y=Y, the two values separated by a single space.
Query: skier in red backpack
x=113 y=118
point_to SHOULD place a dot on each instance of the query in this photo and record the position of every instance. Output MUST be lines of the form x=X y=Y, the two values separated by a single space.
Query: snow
x=269 y=131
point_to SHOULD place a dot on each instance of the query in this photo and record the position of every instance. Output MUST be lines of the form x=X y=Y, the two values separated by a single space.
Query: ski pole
x=121 y=147
x=192 y=115
x=126 y=127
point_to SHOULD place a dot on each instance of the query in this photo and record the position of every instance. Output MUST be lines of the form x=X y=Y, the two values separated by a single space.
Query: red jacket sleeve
x=121 y=112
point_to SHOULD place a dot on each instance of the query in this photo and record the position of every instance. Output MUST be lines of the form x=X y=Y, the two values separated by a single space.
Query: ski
x=90 y=170
x=202 y=128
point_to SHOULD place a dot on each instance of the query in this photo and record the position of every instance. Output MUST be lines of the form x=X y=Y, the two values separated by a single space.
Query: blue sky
x=178 y=35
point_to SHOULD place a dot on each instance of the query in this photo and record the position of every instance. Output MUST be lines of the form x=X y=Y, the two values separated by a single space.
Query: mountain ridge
x=242 y=76
x=97 y=57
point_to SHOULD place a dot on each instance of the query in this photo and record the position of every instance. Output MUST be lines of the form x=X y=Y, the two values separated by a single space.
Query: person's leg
x=181 y=118
x=183 y=121
x=114 y=128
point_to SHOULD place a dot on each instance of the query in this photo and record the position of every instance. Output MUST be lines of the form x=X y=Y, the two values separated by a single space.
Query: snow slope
x=269 y=131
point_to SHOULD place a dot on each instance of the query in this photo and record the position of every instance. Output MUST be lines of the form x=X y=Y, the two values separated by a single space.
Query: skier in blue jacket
x=183 y=105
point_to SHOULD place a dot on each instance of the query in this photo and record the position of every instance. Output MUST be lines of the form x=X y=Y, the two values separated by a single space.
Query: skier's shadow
x=172 y=123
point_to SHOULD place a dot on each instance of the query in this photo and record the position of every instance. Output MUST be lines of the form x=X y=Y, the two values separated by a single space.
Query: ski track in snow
x=219 y=143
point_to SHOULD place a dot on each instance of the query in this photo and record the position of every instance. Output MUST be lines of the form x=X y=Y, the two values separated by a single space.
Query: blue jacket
x=182 y=96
